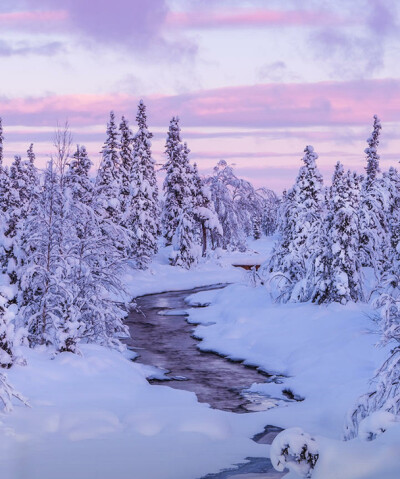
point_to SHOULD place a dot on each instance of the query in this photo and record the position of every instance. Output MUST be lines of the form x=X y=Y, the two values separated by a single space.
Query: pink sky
x=252 y=84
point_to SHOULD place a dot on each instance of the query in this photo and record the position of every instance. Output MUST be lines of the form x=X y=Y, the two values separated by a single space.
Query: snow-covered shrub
x=385 y=396
x=376 y=424
x=295 y=450
x=7 y=393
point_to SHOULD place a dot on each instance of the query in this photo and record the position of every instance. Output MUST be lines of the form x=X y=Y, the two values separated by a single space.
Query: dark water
x=166 y=341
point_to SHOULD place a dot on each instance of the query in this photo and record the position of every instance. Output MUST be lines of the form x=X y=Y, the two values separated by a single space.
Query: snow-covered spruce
x=4 y=177
x=23 y=186
x=391 y=191
x=126 y=153
x=293 y=261
x=186 y=249
x=374 y=231
x=175 y=184
x=109 y=174
x=142 y=215
x=77 y=176
x=338 y=268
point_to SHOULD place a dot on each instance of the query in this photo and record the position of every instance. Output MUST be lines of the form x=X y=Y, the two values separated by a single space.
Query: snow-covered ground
x=95 y=415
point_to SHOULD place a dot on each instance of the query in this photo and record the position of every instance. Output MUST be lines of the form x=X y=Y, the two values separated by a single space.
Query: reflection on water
x=164 y=339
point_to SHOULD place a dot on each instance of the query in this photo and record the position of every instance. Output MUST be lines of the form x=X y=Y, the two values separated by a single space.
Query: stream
x=162 y=337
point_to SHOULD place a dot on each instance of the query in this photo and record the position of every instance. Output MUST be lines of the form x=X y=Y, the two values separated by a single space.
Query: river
x=162 y=337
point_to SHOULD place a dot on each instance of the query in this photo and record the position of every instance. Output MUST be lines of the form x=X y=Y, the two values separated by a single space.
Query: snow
x=94 y=415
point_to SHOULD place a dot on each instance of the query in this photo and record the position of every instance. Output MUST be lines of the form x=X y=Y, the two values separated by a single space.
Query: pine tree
x=143 y=206
x=340 y=278
x=391 y=187
x=8 y=308
x=1 y=142
x=4 y=178
x=108 y=180
x=32 y=175
x=77 y=176
x=185 y=247
x=173 y=183
x=126 y=153
x=374 y=233
x=293 y=259
x=286 y=228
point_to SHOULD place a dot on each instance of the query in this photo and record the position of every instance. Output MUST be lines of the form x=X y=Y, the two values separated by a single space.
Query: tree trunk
x=204 y=231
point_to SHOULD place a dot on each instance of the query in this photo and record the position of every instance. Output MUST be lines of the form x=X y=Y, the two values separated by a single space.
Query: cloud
x=358 y=52
x=24 y=49
x=117 y=22
x=30 y=19
x=351 y=103
x=208 y=18
x=129 y=25
x=275 y=71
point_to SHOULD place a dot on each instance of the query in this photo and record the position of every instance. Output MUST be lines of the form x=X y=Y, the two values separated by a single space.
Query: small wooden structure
x=247 y=267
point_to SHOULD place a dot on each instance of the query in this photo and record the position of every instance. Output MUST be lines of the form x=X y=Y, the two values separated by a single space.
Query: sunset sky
x=252 y=81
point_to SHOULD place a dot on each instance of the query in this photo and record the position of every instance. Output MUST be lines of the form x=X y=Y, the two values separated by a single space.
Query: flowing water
x=162 y=337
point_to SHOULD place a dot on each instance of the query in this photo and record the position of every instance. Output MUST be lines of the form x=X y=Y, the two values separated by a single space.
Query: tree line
x=331 y=239
x=66 y=235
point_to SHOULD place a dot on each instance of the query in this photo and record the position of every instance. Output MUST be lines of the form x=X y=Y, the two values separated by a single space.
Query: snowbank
x=326 y=353
x=96 y=417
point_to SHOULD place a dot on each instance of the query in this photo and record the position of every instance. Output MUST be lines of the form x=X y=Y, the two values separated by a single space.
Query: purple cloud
x=358 y=52
x=268 y=105
x=130 y=23
x=24 y=49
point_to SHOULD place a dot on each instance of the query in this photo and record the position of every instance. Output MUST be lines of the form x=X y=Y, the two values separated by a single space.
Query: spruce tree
x=32 y=175
x=143 y=205
x=186 y=250
x=77 y=176
x=391 y=187
x=374 y=232
x=108 y=180
x=293 y=259
x=126 y=153
x=340 y=278
x=173 y=183
x=4 y=177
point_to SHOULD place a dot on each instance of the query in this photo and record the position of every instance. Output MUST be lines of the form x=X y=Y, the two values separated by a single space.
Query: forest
x=69 y=234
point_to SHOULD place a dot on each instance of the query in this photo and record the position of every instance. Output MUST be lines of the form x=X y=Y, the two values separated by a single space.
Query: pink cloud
x=14 y=19
x=253 y=18
x=259 y=106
